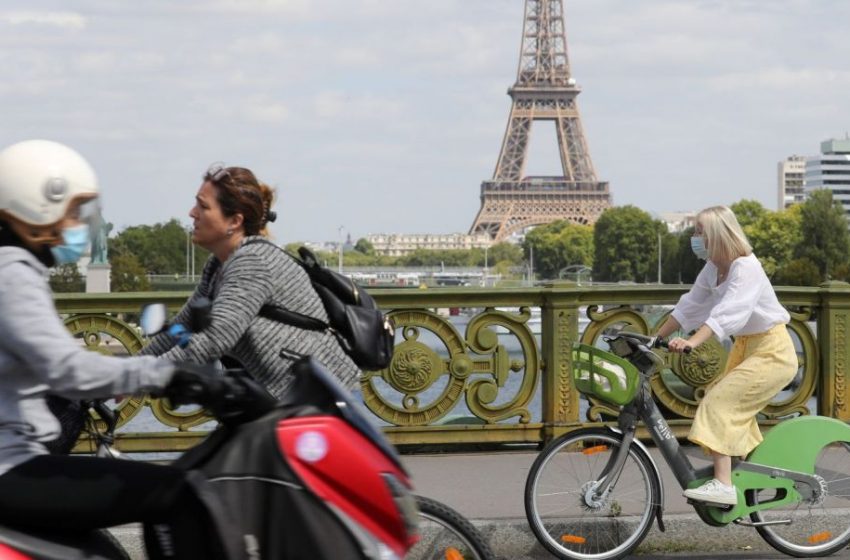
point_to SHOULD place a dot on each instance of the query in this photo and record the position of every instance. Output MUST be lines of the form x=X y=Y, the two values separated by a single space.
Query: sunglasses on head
x=217 y=172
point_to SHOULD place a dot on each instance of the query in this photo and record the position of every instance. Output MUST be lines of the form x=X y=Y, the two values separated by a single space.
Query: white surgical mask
x=698 y=247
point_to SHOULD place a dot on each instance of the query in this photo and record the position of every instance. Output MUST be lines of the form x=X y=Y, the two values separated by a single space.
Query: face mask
x=75 y=242
x=698 y=247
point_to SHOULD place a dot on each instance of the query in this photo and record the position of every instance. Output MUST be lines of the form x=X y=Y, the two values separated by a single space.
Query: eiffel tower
x=544 y=90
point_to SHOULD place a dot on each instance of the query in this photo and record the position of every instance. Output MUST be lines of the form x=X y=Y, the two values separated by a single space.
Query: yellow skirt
x=758 y=368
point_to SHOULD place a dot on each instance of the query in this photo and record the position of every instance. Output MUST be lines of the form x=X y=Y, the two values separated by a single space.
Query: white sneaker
x=714 y=492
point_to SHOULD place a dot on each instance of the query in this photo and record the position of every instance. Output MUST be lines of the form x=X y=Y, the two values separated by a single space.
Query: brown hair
x=239 y=192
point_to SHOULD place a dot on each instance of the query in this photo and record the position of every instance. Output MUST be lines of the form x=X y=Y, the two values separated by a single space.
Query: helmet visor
x=85 y=212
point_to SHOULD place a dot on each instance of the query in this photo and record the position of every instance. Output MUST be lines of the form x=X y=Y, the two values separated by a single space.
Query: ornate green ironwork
x=91 y=328
x=481 y=384
x=417 y=367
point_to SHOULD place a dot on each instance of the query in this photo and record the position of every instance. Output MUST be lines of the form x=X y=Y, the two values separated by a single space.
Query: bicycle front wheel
x=446 y=535
x=813 y=527
x=566 y=513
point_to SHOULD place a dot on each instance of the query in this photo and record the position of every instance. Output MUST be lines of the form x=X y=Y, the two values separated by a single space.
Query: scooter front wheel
x=814 y=527
x=446 y=535
x=566 y=513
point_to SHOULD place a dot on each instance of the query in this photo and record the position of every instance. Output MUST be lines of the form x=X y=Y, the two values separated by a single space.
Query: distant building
x=399 y=244
x=831 y=170
x=791 y=186
x=678 y=222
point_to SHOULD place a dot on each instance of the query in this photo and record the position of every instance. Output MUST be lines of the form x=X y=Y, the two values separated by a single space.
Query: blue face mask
x=75 y=242
x=698 y=247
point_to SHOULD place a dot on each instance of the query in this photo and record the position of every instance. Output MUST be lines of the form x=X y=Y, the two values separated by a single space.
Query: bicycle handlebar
x=649 y=341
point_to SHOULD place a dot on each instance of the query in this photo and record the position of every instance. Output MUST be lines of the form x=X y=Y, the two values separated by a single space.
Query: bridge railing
x=494 y=365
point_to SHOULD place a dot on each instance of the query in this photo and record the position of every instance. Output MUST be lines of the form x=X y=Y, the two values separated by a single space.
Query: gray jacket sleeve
x=32 y=332
x=163 y=342
x=245 y=286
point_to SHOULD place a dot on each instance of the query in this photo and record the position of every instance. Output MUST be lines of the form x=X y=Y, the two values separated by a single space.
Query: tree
x=504 y=252
x=748 y=211
x=670 y=258
x=128 y=274
x=425 y=257
x=825 y=240
x=557 y=245
x=626 y=245
x=364 y=246
x=799 y=272
x=160 y=248
x=775 y=236
x=66 y=278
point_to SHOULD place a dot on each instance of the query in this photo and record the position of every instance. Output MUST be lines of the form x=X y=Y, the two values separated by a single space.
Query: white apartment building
x=678 y=222
x=831 y=170
x=791 y=184
x=399 y=244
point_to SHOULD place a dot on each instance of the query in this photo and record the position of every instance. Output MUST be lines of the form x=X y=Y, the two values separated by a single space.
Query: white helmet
x=40 y=179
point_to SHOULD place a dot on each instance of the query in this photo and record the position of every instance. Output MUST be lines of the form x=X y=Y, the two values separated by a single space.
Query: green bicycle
x=593 y=493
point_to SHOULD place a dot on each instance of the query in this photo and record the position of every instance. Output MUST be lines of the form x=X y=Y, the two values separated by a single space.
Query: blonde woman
x=732 y=296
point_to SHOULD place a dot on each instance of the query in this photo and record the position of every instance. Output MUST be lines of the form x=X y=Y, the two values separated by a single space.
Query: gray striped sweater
x=256 y=274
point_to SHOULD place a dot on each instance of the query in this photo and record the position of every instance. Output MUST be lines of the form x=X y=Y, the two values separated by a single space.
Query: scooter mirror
x=153 y=318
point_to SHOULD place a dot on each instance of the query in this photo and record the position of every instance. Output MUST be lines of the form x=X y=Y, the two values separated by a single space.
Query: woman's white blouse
x=744 y=303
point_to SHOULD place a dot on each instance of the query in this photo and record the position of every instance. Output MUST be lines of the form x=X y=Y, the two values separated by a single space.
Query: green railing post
x=559 y=330
x=834 y=346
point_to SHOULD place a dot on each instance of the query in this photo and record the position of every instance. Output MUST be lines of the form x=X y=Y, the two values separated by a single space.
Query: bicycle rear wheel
x=816 y=527
x=446 y=535
x=567 y=516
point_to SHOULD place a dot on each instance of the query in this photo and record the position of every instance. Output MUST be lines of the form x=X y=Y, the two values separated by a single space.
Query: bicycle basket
x=604 y=375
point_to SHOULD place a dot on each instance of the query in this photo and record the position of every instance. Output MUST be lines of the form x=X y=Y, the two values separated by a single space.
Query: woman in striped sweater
x=244 y=273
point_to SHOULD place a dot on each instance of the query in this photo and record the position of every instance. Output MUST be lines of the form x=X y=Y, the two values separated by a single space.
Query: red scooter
x=306 y=477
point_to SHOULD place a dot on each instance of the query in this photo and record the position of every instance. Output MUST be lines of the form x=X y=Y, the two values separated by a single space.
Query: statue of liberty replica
x=98 y=274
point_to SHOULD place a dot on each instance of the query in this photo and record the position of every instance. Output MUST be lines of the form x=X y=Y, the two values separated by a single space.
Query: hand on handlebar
x=229 y=396
x=194 y=384
x=680 y=346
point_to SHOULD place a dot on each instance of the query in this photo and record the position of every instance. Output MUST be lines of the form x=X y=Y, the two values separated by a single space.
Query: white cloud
x=264 y=111
x=289 y=7
x=341 y=105
x=69 y=20
x=268 y=42
x=359 y=56
x=97 y=61
x=780 y=77
x=393 y=96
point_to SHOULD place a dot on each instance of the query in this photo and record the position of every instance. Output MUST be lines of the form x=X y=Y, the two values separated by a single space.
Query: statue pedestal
x=97 y=278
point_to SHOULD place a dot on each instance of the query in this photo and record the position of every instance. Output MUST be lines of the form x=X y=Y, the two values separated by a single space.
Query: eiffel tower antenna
x=544 y=90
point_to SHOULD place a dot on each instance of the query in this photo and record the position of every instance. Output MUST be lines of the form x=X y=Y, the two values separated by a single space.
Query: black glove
x=195 y=384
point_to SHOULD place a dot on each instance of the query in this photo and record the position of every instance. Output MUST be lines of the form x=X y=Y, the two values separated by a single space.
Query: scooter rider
x=48 y=199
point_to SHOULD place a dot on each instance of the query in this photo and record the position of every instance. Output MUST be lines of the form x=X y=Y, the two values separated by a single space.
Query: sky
x=384 y=116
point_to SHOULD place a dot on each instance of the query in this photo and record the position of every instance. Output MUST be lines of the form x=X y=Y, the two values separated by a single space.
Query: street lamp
x=340 y=248
x=188 y=242
x=659 y=257
x=190 y=253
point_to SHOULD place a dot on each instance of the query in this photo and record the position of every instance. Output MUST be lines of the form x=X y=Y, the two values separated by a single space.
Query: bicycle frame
x=774 y=464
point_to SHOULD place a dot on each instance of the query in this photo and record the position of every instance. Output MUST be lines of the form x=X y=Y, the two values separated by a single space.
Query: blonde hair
x=724 y=238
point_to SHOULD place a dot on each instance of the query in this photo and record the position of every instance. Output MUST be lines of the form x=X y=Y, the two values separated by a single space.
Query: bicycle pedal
x=721 y=507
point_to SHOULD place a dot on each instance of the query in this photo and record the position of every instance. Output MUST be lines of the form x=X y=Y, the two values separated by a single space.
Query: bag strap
x=293 y=318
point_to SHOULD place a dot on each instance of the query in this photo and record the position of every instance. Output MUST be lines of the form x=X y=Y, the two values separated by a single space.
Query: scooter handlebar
x=228 y=396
